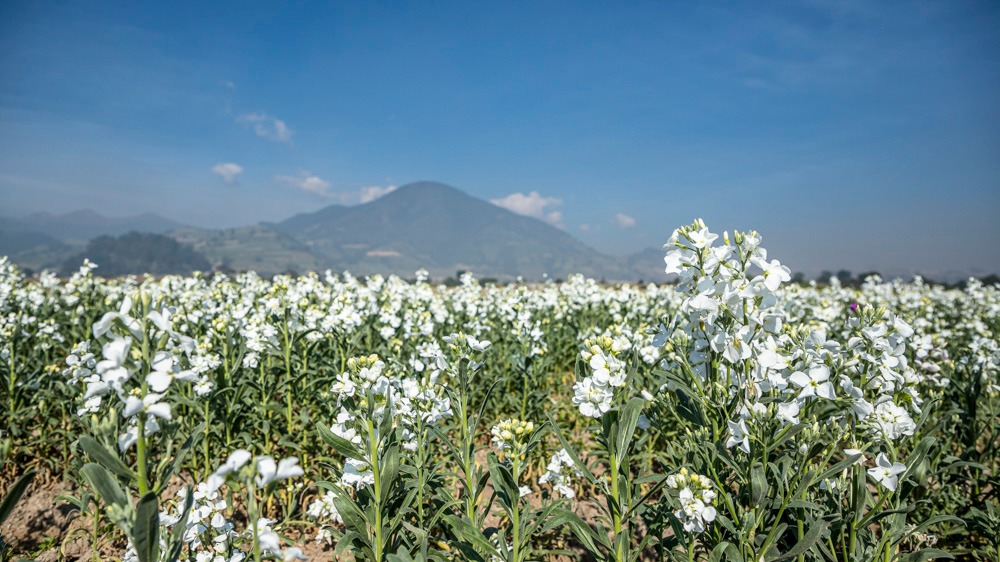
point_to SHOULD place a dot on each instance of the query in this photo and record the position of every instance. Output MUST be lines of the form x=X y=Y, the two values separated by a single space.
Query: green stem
x=373 y=461
x=254 y=515
x=208 y=458
x=616 y=510
x=141 y=456
x=288 y=378
x=516 y=515
x=420 y=460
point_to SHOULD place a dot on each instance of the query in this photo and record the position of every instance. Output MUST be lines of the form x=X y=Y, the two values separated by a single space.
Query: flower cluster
x=512 y=435
x=323 y=511
x=595 y=393
x=133 y=345
x=560 y=473
x=696 y=495
x=210 y=534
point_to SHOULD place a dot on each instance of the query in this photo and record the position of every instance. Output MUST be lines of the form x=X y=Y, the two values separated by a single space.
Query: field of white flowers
x=731 y=416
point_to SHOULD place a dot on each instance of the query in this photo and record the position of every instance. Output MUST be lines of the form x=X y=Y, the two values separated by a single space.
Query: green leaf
x=13 y=495
x=758 y=480
x=803 y=504
x=106 y=458
x=811 y=537
x=466 y=532
x=146 y=528
x=929 y=554
x=503 y=482
x=105 y=485
x=341 y=445
x=570 y=451
x=724 y=550
x=834 y=470
x=193 y=437
x=938 y=519
x=389 y=469
x=915 y=459
x=354 y=518
x=627 y=422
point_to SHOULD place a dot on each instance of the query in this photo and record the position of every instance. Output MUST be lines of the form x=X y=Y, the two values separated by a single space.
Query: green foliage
x=139 y=253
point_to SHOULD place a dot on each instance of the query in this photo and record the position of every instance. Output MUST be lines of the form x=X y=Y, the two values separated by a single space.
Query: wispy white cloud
x=532 y=205
x=371 y=193
x=266 y=126
x=624 y=221
x=227 y=171
x=307 y=182
x=318 y=186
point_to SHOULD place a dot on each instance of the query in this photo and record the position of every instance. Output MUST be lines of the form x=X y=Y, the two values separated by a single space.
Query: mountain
x=647 y=264
x=443 y=230
x=80 y=226
x=259 y=248
x=420 y=225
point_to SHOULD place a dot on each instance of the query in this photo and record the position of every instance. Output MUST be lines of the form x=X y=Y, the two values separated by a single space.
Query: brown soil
x=44 y=527
x=47 y=529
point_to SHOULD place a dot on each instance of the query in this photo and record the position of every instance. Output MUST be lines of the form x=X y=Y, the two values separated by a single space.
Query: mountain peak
x=426 y=189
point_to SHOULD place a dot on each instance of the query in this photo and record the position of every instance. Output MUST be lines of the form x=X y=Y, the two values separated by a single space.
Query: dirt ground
x=45 y=528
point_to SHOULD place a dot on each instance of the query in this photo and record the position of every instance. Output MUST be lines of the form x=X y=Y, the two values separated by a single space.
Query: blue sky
x=855 y=135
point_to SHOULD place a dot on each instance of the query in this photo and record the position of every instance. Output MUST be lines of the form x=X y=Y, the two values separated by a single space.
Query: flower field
x=730 y=416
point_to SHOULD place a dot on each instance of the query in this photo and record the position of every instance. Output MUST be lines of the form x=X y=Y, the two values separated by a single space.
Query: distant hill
x=443 y=230
x=138 y=253
x=80 y=226
x=259 y=248
x=420 y=225
x=34 y=250
x=648 y=264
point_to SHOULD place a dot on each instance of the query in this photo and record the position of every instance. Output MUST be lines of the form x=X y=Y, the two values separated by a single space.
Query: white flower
x=269 y=472
x=270 y=542
x=816 y=383
x=344 y=387
x=150 y=404
x=886 y=473
x=165 y=370
x=738 y=435
x=892 y=421
x=477 y=345
x=593 y=399
x=774 y=273
x=102 y=326
x=560 y=473
x=788 y=412
x=112 y=370
x=852 y=452
x=237 y=459
x=131 y=435
x=694 y=513
x=357 y=474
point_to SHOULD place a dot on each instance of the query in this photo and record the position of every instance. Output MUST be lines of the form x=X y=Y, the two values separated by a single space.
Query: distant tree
x=136 y=252
x=799 y=278
x=824 y=276
x=845 y=277
x=991 y=279
x=862 y=276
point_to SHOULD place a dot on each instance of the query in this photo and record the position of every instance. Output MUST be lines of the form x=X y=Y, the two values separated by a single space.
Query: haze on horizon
x=851 y=135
